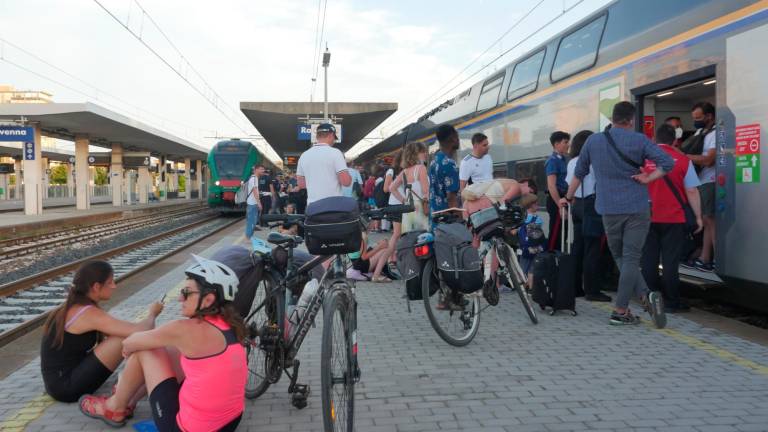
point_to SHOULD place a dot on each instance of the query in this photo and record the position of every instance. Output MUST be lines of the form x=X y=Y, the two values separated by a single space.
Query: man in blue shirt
x=556 y=168
x=622 y=200
x=443 y=172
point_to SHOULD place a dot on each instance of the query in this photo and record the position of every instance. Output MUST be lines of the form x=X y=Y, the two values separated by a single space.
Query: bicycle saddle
x=278 y=239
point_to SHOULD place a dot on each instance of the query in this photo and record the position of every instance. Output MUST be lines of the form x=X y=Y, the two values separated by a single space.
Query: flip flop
x=88 y=403
x=381 y=279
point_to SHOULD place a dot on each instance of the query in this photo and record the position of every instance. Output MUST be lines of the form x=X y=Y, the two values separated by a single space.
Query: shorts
x=707 y=193
x=361 y=265
x=526 y=264
x=164 y=401
x=85 y=378
x=395 y=218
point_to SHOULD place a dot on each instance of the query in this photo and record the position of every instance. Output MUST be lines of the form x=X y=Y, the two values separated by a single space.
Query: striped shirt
x=617 y=192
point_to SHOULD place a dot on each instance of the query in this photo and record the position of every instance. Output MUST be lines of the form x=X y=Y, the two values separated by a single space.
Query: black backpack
x=694 y=145
x=379 y=196
x=458 y=262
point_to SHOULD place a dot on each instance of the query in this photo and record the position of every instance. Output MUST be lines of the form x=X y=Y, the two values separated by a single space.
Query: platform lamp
x=326 y=62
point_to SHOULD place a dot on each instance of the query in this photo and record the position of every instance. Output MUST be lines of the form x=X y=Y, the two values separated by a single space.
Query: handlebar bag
x=332 y=226
x=457 y=261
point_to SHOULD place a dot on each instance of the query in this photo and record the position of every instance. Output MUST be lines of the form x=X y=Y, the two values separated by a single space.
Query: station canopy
x=280 y=123
x=103 y=128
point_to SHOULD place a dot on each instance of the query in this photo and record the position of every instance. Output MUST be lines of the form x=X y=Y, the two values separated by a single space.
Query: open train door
x=742 y=189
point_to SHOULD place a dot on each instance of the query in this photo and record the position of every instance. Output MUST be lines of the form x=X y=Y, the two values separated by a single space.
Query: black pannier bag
x=457 y=261
x=332 y=226
x=410 y=266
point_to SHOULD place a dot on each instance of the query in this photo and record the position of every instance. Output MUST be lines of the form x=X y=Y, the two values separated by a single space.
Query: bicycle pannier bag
x=332 y=226
x=410 y=266
x=457 y=261
x=486 y=223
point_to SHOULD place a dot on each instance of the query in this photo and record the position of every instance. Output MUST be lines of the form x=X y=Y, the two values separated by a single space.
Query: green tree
x=58 y=175
x=100 y=177
x=182 y=184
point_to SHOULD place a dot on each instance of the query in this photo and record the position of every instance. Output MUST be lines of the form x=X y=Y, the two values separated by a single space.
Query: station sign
x=29 y=151
x=6 y=168
x=17 y=134
x=303 y=132
x=748 y=153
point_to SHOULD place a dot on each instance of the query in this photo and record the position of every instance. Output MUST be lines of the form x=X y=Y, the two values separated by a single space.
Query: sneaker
x=599 y=297
x=690 y=264
x=705 y=267
x=624 y=319
x=654 y=305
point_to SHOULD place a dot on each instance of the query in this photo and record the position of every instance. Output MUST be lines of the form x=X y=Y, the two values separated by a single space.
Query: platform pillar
x=82 y=173
x=144 y=183
x=4 y=186
x=174 y=185
x=32 y=179
x=187 y=179
x=129 y=181
x=17 y=177
x=70 y=179
x=162 y=184
x=116 y=175
x=46 y=165
x=199 y=177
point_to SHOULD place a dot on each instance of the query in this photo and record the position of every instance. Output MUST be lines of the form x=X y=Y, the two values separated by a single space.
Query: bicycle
x=492 y=225
x=273 y=345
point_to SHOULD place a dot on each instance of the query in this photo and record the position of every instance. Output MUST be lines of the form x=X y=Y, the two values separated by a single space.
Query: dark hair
x=444 y=132
x=225 y=309
x=397 y=162
x=705 y=107
x=87 y=275
x=665 y=134
x=257 y=166
x=558 y=136
x=531 y=184
x=672 y=118
x=623 y=112
x=578 y=142
x=478 y=138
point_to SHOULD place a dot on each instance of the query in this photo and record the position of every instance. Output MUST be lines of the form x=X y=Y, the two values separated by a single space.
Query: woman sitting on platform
x=82 y=344
x=194 y=369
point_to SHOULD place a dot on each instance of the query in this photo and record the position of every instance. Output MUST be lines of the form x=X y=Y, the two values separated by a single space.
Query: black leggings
x=86 y=378
x=164 y=401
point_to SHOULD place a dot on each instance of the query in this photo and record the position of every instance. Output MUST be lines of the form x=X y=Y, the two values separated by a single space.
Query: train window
x=578 y=50
x=525 y=76
x=489 y=95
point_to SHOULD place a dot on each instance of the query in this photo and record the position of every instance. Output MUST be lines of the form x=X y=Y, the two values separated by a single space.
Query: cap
x=327 y=127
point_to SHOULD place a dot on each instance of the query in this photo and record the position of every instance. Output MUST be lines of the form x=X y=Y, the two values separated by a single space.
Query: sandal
x=88 y=403
x=381 y=279
x=129 y=409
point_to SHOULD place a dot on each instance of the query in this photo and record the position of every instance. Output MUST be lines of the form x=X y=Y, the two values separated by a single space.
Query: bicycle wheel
x=514 y=274
x=261 y=364
x=457 y=327
x=337 y=377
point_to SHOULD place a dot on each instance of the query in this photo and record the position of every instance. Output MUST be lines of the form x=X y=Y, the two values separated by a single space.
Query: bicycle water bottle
x=291 y=315
x=310 y=289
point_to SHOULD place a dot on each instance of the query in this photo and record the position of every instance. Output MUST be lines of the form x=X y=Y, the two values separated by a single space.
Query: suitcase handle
x=563 y=226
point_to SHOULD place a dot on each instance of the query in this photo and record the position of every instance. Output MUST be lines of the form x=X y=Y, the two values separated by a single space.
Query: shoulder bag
x=690 y=217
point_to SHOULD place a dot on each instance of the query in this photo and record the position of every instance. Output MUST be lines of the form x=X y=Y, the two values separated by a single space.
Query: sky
x=219 y=54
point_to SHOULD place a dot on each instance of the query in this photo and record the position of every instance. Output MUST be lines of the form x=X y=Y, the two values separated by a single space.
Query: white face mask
x=678 y=133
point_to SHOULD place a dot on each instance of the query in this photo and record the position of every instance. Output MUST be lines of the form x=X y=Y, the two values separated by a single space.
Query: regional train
x=664 y=56
x=229 y=164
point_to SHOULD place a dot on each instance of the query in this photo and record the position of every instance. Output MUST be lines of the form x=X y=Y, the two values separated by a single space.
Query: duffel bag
x=332 y=226
x=457 y=261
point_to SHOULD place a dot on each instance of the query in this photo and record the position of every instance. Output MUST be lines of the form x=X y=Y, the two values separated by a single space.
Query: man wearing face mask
x=701 y=149
x=677 y=124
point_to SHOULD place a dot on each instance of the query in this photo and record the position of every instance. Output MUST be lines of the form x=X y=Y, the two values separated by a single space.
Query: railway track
x=26 y=303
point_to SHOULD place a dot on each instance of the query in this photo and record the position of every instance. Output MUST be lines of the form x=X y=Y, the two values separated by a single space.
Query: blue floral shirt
x=443 y=178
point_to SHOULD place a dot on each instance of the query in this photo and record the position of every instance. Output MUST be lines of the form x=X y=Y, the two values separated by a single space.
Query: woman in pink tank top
x=194 y=369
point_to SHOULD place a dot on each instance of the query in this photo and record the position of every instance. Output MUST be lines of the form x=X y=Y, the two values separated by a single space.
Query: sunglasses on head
x=185 y=293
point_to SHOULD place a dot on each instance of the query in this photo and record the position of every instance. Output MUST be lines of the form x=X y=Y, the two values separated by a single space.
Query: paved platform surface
x=51 y=214
x=565 y=374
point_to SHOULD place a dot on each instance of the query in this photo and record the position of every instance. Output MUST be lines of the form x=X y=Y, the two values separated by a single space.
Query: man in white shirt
x=322 y=170
x=478 y=165
x=253 y=202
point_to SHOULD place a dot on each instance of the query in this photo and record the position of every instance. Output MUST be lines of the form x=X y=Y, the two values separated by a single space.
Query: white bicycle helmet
x=216 y=276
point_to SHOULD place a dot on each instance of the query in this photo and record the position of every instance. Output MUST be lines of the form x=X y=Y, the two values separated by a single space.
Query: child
x=531 y=236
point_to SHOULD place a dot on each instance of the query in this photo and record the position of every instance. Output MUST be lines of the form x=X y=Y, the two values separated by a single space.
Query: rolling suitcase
x=554 y=274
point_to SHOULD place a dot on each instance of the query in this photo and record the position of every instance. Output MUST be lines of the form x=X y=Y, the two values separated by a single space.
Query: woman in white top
x=587 y=226
x=415 y=173
x=389 y=177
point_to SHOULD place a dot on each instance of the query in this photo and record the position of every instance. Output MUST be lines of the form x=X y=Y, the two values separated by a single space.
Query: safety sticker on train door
x=748 y=153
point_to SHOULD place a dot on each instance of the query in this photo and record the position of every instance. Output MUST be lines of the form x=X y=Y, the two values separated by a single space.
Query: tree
x=100 y=177
x=58 y=175
x=182 y=183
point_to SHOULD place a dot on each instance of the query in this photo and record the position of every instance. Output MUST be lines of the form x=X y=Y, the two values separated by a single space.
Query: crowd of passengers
x=626 y=192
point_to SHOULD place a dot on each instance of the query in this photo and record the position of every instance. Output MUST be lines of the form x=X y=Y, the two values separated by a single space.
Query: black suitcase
x=554 y=275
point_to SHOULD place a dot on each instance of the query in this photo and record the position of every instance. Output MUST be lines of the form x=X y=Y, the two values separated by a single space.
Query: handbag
x=690 y=217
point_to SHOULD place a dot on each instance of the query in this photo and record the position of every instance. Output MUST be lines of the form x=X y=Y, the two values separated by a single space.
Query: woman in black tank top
x=82 y=344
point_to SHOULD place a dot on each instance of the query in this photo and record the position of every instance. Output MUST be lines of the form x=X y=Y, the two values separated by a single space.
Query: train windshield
x=231 y=165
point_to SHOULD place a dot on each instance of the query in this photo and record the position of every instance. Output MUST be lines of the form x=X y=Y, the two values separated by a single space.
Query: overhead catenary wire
x=212 y=100
x=318 y=50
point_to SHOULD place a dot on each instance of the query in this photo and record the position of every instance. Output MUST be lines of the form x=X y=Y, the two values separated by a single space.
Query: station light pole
x=326 y=62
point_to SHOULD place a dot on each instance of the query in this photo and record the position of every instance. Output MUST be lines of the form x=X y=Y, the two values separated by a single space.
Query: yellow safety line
x=703 y=346
x=36 y=407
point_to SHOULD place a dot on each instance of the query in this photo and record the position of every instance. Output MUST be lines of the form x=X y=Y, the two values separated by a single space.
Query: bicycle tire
x=258 y=375
x=515 y=278
x=337 y=370
x=474 y=305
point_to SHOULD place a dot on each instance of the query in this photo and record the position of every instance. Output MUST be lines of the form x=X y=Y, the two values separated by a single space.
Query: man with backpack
x=616 y=157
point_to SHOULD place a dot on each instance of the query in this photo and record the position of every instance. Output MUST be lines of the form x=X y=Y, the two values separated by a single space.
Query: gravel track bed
x=73 y=252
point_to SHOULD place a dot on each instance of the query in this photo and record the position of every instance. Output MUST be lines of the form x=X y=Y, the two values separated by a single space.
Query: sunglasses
x=185 y=293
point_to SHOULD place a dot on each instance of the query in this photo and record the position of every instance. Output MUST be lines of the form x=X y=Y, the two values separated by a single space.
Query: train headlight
x=217 y=183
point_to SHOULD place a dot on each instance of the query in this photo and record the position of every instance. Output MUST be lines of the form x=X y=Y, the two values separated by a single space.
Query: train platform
x=564 y=374
x=17 y=221
x=50 y=203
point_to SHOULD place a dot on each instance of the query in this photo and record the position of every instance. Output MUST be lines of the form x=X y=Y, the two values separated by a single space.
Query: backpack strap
x=623 y=156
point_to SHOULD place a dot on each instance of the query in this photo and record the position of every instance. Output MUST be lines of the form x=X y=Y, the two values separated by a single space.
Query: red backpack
x=370 y=185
